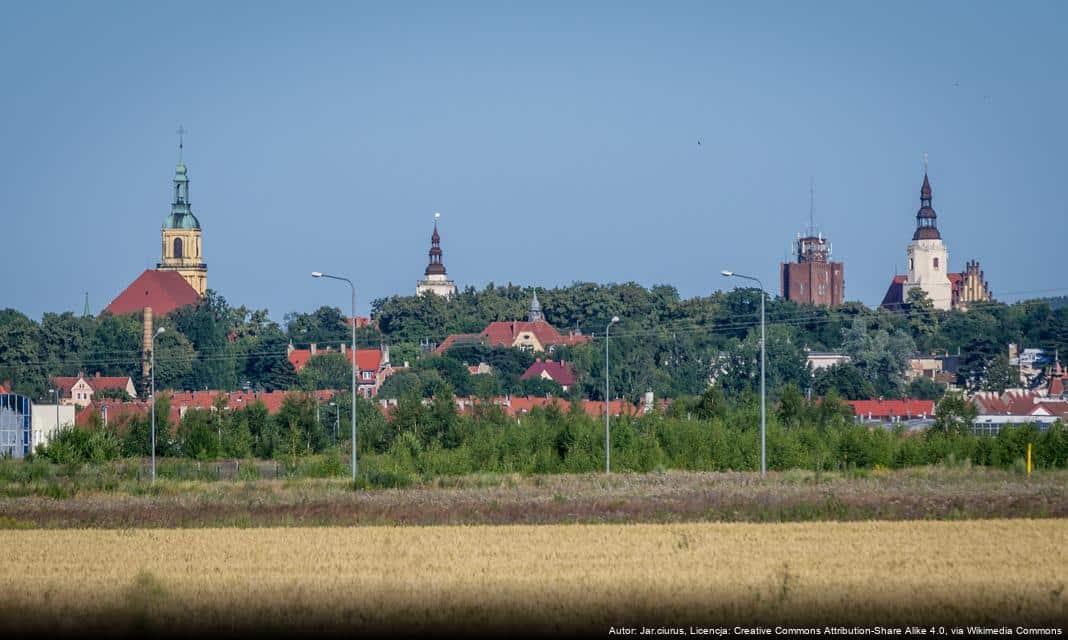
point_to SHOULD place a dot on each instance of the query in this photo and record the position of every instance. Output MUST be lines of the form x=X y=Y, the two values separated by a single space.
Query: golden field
x=551 y=576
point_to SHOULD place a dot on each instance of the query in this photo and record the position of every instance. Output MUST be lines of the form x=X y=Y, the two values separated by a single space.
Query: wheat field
x=554 y=577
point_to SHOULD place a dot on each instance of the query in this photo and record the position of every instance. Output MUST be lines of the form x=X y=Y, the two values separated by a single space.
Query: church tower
x=535 y=314
x=182 y=251
x=928 y=258
x=436 y=281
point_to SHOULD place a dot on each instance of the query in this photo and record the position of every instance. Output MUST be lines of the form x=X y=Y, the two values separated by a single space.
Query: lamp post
x=763 y=394
x=607 y=432
x=319 y=274
x=152 y=398
x=337 y=420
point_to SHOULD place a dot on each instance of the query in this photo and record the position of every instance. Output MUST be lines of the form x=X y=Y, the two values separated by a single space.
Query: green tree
x=881 y=355
x=197 y=437
x=327 y=371
x=922 y=317
x=954 y=415
x=791 y=405
x=999 y=375
x=541 y=387
x=846 y=379
x=923 y=388
x=399 y=384
x=268 y=366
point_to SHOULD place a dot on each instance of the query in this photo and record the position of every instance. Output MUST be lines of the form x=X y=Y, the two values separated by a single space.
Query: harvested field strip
x=537 y=577
x=918 y=494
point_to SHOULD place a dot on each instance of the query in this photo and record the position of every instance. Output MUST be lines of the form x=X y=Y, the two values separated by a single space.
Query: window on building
x=912 y=265
x=936 y=263
x=177 y=247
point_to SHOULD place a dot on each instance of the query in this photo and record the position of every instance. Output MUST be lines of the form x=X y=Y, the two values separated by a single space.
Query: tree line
x=710 y=432
x=666 y=344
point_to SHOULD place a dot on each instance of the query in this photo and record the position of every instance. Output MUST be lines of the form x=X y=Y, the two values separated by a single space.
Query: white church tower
x=436 y=280
x=928 y=258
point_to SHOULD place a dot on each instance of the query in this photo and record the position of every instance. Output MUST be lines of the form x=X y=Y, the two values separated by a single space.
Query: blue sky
x=558 y=140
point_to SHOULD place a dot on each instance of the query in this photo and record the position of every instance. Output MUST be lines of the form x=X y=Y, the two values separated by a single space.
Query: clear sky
x=558 y=141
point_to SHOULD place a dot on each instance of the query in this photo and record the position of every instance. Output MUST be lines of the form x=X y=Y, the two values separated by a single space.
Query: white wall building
x=44 y=419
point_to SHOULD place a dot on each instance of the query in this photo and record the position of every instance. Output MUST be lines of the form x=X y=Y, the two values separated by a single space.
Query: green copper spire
x=181 y=216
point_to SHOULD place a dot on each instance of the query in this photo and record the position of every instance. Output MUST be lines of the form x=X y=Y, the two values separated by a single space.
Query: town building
x=16 y=430
x=825 y=359
x=518 y=406
x=535 y=335
x=561 y=373
x=813 y=278
x=47 y=420
x=941 y=368
x=435 y=279
x=908 y=412
x=78 y=390
x=1017 y=407
x=928 y=263
x=1031 y=364
x=372 y=365
x=181 y=276
x=161 y=291
x=181 y=236
x=118 y=413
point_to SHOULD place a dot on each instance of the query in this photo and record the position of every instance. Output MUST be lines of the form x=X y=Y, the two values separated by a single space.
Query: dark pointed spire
x=926 y=218
x=435 y=267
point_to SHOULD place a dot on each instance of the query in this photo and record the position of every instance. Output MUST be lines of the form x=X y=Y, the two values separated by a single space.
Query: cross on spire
x=181 y=134
x=925 y=163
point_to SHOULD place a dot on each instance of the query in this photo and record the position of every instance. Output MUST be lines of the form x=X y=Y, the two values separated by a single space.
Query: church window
x=936 y=263
x=912 y=265
x=177 y=247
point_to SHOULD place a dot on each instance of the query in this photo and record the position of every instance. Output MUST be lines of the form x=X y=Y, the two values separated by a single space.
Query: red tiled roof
x=194 y=400
x=892 y=408
x=559 y=372
x=164 y=291
x=1017 y=402
x=96 y=383
x=366 y=359
x=458 y=338
x=505 y=333
x=894 y=293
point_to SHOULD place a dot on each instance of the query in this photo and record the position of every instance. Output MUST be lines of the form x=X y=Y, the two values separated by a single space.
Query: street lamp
x=319 y=274
x=337 y=418
x=152 y=368
x=607 y=432
x=763 y=394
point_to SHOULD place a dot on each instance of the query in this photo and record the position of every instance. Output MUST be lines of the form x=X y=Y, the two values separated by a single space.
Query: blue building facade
x=16 y=430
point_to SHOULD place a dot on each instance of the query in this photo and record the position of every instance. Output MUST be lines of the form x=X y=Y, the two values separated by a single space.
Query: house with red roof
x=535 y=334
x=518 y=406
x=117 y=411
x=78 y=390
x=372 y=365
x=163 y=291
x=1017 y=407
x=907 y=410
x=559 y=372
